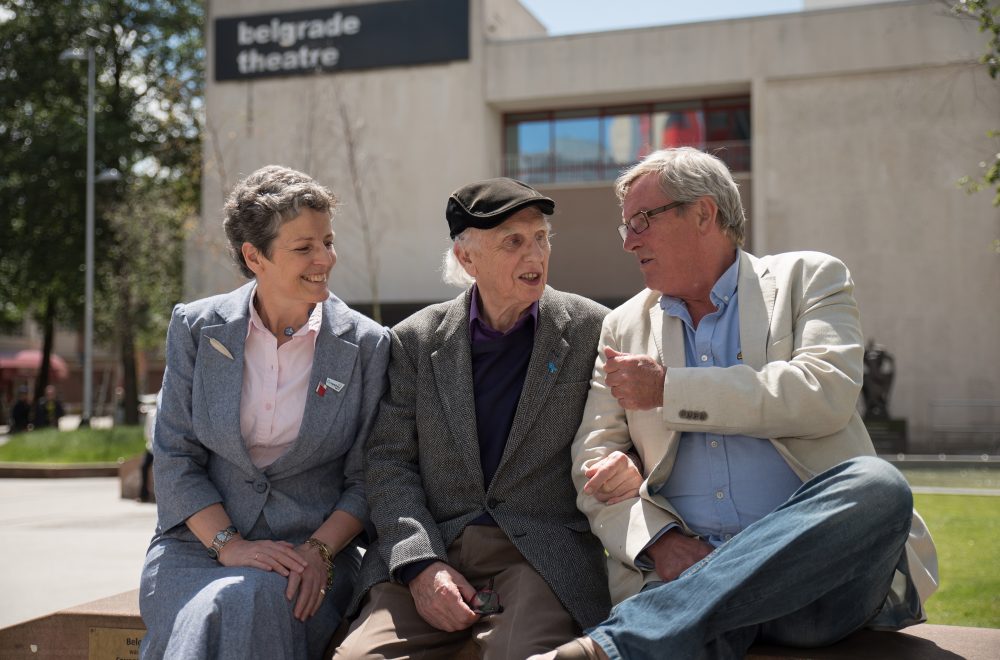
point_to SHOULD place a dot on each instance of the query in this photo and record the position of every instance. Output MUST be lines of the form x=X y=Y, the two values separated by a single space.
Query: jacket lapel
x=452 y=366
x=668 y=335
x=223 y=375
x=547 y=354
x=333 y=360
x=757 y=291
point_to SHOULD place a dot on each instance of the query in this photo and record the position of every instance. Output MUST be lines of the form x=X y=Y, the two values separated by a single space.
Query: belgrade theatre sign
x=368 y=36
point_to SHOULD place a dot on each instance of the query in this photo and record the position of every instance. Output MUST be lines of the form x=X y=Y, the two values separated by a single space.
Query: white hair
x=452 y=272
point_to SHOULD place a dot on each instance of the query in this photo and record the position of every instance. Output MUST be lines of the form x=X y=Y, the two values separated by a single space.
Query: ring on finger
x=322 y=592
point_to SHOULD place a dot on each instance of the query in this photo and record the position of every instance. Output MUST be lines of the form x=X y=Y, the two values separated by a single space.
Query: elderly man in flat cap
x=481 y=550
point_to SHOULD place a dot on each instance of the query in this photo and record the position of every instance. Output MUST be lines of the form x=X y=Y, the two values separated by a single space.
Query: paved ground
x=64 y=542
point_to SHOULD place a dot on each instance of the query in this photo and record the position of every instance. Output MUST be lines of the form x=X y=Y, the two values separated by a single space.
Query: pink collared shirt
x=275 y=386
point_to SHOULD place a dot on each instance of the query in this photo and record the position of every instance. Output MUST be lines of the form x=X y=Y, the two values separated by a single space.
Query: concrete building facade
x=851 y=128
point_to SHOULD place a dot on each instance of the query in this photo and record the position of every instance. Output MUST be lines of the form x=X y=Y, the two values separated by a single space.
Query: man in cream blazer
x=757 y=511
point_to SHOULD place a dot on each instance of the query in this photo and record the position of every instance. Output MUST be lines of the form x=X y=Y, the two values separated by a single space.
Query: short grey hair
x=262 y=202
x=454 y=273
x=685 y=174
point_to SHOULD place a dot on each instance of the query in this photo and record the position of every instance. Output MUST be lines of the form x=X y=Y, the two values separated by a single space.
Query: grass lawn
x=965 y=529
x=80 y=446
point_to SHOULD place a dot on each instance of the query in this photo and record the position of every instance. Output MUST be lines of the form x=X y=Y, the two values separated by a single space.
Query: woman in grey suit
x=268 y=396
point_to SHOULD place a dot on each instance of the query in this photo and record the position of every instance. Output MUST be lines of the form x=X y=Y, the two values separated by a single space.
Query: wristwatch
x=223 y=537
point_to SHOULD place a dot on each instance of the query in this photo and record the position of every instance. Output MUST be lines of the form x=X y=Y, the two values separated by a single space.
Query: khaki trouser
x=533 y=620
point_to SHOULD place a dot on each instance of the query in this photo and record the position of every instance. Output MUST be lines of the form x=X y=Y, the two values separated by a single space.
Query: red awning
x=30 y=361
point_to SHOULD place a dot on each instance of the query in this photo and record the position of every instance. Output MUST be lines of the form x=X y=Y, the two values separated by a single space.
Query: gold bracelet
x=324 y=552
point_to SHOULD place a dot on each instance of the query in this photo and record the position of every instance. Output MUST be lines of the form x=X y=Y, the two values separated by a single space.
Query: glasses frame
x=486 y=601
x=633 y=222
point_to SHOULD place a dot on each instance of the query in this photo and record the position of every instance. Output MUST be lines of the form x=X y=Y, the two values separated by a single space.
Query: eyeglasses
x=639 y=222
x=486 y=601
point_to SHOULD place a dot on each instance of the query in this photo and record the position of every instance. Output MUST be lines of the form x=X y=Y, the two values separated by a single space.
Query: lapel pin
x=321 y=389
x=334 y=385
x=217 y=345
x=552 y=367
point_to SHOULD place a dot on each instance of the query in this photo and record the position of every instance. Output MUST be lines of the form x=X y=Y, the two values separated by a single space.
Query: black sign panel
x=342 y=38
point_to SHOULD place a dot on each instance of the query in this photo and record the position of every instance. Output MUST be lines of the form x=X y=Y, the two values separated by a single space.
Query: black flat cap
x=485 y=204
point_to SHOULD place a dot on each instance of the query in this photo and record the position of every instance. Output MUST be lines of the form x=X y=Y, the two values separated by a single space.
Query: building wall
x=863 y=120
x=420 y=132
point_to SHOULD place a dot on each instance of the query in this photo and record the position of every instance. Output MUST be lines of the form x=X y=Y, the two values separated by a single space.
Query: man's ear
x=462 y=254
x=252 y=256
x=706 y=213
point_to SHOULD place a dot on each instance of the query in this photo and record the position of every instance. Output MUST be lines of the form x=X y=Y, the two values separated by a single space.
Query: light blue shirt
x=720 y=484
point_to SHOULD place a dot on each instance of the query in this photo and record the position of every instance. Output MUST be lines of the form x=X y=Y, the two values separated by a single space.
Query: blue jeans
x=808 y=574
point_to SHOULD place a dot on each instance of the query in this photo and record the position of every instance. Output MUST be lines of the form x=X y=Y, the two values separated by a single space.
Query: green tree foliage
x=149 y=56
x=987 y=14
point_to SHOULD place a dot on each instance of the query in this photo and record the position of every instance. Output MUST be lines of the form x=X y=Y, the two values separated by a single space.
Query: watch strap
x=219 y=541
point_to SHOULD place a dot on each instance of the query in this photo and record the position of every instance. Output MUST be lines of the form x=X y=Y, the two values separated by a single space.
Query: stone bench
x=110 y=629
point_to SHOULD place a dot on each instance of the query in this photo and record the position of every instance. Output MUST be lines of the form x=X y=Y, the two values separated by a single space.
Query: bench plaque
x=115 y=643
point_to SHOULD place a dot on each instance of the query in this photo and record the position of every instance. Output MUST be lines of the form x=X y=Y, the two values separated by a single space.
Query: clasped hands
x=302 y=565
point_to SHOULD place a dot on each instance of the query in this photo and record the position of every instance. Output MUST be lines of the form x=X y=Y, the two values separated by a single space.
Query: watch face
x=222 y=536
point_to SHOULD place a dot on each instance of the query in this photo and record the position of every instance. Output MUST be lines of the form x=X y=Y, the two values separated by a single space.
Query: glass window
x=627 y=139
x=529 y=150
x=596 y=144
x=578 y=148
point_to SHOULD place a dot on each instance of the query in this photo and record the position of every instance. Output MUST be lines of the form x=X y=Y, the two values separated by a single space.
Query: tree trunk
x=126 y=335
x=49 y=329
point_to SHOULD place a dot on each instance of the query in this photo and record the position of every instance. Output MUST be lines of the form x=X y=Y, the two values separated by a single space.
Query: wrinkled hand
x=635 y=380
x=310 y=583
x=613 y=479
x=440 y=594
x=673 y=553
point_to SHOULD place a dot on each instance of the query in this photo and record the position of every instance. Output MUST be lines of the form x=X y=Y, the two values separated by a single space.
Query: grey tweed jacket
x=200 y=456
x=424 y=478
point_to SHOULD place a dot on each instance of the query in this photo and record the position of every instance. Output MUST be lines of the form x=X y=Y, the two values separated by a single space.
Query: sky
x=574 y=16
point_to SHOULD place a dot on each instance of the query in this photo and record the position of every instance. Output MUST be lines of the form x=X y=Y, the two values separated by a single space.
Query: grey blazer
x=199 y=454
x=425 y=482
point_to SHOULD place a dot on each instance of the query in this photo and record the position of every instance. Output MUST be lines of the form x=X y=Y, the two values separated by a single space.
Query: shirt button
x=726 y=298
x=728 y=536
x=704 y=358
x=719 y=495
x=260 y=487
x=714 y=444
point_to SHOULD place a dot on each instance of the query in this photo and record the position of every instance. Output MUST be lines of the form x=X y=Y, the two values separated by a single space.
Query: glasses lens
x=486 y=601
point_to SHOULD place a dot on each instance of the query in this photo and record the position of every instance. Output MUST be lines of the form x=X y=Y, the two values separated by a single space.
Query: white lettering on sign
x=251 y=61
x=287 y=33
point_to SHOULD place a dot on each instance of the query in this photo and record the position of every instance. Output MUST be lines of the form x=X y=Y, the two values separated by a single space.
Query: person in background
x=20 y=412
x=48 y=409
x=147 y=458
x=268 y=396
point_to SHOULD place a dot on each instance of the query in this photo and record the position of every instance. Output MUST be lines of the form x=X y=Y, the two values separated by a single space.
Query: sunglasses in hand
x=486 y=601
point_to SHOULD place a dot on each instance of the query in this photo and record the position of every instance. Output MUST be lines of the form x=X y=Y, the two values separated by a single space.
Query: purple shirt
x=480 y=330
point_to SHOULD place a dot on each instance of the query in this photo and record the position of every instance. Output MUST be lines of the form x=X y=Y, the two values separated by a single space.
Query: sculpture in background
x=880 y=370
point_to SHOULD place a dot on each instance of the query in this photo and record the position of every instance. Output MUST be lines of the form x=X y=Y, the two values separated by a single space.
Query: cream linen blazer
x=802 y=368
